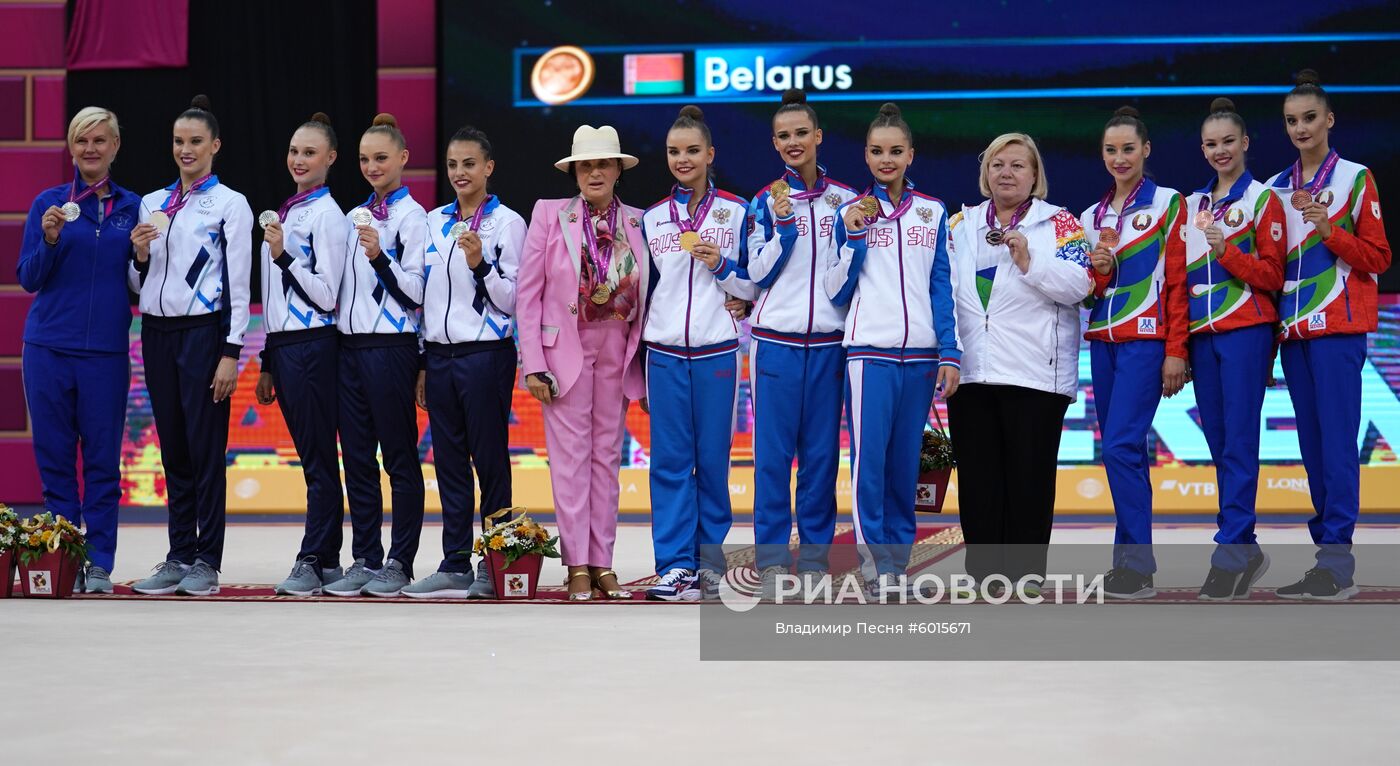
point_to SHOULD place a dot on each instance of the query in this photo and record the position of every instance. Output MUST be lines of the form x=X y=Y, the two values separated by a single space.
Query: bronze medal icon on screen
x=562 y=74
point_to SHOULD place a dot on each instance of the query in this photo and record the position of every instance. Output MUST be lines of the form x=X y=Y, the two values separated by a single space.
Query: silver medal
x=267 y=217
x=71 y=211
x=361 y=217
x=458 y=229
x=159 y=220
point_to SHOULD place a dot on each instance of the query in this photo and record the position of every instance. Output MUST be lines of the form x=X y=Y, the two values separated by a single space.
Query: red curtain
x=129 y=34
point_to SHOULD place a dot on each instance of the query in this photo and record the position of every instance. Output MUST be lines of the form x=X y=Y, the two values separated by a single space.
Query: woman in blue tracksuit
x=795 y=362
x=901 y=342
x=696 y=239
x=305 y=245
x=473 y=257
x=194 y=255
x=80 y=320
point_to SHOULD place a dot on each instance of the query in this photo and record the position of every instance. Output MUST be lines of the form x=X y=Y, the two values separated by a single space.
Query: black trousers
x=180 y=356
x=469 y=388
x=1006 y=440
x=305 y=375
x=377 y=415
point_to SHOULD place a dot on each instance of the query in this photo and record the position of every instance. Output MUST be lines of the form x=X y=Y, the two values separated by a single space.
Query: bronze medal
x=1108 y=237
x=995 y=237
x=601 y=294
x=1300 y=199
x=689 y=240
x=1204 y=219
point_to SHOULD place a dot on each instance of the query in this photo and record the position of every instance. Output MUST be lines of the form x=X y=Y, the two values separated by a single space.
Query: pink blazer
x=546 y=305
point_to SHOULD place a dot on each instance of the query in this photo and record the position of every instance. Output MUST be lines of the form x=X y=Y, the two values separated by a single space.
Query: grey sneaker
x=78 y=580
x=352 y=582
x=483 y=586
x=708 y=580
x=305 y=580
x=97 y=580
x=441 y=585
x=163 y=580
x=201 y=580
x=388 y=583
x=768 y=579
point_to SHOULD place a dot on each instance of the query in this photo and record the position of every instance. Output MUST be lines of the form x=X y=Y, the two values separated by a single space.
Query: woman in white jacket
x=1020 y=270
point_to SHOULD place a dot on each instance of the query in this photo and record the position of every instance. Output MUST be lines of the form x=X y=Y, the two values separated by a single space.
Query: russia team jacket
x=787 y=260
x=1237 y=288
x=1329 y=286
x=687 y=298
x=203 y=262
x=896 y=277
x=300 y=285
x=382 y=296
x=1021 y=329
x=462 y=304
x=1144 y=297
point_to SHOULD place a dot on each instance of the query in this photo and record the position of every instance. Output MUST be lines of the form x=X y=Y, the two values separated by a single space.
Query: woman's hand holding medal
x=707 y=253
x=1015 y=241
x=470 y=244
x=369 y=241
x=1315 y=213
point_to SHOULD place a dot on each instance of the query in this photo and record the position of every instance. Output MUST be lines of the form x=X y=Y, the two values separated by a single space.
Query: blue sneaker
x=676 y=585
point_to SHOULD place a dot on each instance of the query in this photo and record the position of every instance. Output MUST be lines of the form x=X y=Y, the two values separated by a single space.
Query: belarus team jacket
x=382 y=296
x=301 y=284
x=1237 y=288
x=896 y=277
x=202 y=263
x=686 y=297
x=1329 y=285
x=1021 y=329
x=787 y=259
x=462 y=304
x=1144 y=297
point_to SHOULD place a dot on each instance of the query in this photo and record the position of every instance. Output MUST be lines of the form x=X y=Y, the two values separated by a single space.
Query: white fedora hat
x=592 y=143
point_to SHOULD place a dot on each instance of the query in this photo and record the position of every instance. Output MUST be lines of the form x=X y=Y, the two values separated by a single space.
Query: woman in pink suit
x=581 y=297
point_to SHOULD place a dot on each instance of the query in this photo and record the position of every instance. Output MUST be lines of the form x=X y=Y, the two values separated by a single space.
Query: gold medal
x=601 y=294
x=689 y=240
x=779 y=190
x=159 y=220
x=869 y=207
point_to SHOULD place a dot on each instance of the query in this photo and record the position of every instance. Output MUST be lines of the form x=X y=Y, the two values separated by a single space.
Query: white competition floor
x=159 y=682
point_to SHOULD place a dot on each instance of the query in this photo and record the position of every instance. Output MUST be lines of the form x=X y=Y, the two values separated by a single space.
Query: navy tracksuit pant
x=468 y=389
x=377 y=414
x=77 y=400
x=304 y=368
x=181 y=355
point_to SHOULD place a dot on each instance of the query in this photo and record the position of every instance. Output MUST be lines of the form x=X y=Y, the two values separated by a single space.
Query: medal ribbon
x=898 y=210
x=475 y=223
x=811 y=193
x=1102 y=208
x=1322 y=173
x=76 y=196
x=295 y=200
x=1218 y=209
x=695 y=221
x=379 y=208
x=1016 y=216
x=179 y=197
x=601 y=260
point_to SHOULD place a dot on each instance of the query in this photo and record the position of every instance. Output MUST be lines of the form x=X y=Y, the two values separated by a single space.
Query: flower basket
x=935 y=468
x=7 y=574
x=9 y=540
x=515 y=551
x=51 y=575
x=50 y=552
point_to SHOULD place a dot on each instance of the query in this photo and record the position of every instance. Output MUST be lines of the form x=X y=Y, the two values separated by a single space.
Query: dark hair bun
x=889 y=109
x=320 y=117
x=201 y=102
x=794 y=96
x=383 y=118
x=1126 y=111
x=1222 y=104
x=693 y=112
x=1307 y=77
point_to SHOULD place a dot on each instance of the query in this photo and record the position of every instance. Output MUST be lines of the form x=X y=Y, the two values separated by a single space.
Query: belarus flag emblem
x=653 y=74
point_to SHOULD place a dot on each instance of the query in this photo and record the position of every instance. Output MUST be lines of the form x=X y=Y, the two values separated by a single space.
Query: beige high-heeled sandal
x=586 y=595
x=612 y=595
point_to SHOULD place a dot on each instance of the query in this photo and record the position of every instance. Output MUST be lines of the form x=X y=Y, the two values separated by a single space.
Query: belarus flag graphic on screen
x=653 y=74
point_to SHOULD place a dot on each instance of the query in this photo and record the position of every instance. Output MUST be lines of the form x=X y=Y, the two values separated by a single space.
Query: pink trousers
x=583 y=431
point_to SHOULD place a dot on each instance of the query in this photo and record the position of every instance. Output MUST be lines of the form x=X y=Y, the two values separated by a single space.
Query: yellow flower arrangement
x=520 y=536
x=497 y=542
x=45 y=533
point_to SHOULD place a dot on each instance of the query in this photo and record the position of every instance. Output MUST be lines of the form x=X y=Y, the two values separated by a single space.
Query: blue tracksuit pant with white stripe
x=888 y=397
x=691 y=393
